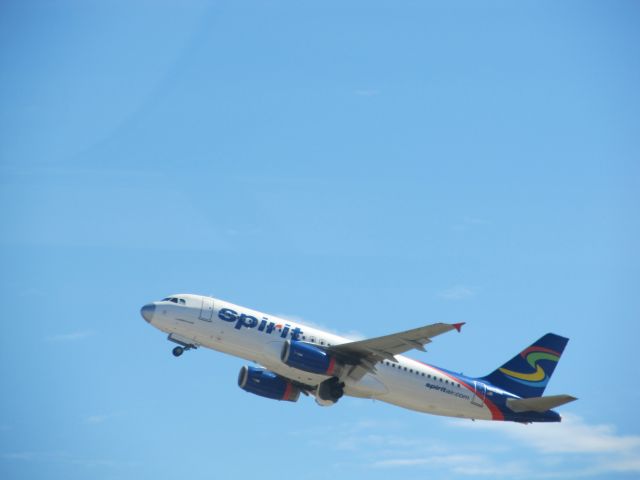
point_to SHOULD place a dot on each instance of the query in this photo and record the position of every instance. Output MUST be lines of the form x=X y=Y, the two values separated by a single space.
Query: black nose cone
x=147 y=312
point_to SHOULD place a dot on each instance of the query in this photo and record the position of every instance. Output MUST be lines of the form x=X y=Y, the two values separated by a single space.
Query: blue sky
x=365 y=166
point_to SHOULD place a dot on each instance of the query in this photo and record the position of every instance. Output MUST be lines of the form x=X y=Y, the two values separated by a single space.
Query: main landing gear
x=331 y=390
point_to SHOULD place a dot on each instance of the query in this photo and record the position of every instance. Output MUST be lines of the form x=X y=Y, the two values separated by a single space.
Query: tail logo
x=533 y=355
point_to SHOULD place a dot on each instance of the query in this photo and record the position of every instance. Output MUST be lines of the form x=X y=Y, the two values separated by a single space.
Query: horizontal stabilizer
x=538 y=404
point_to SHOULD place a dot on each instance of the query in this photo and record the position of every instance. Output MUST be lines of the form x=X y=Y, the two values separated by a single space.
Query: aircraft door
x=206 y=312
x=479 y=394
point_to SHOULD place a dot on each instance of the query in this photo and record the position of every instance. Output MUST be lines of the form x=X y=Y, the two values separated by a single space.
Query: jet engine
x=266 y=383
x=310 y=358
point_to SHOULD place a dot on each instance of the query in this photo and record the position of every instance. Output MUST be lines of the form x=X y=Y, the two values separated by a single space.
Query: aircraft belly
x=412 y=393
x=368 y=386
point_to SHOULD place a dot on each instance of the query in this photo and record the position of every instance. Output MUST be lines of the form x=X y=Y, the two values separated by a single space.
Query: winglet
x=458 y=326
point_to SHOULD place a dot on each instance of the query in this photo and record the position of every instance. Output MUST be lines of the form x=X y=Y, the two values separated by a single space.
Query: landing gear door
x=206 y=312
x=479 y=394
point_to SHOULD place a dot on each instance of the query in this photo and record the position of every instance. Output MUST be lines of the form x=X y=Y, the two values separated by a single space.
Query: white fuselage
x=209 y=322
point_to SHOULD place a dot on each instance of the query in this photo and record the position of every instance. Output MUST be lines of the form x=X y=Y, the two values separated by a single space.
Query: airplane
x=295 y=359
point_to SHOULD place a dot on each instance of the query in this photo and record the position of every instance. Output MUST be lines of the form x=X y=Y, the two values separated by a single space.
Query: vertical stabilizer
x=528 y=373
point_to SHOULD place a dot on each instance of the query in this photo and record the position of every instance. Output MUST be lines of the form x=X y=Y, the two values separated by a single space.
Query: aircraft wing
x=366 y=353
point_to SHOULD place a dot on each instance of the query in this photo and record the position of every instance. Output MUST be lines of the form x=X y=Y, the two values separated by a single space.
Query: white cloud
x=400 y=462
x=572 y=435
x=458 y=292
x=468 y=464
x=98 y=418
x=599 y=449
x=571 y=449
x=432 y=460
x=70 y=337
x=95 y=419
x=18 y=456
x=64 y=457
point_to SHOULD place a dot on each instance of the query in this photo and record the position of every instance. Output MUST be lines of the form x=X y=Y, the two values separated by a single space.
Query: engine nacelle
x=265 y=383
x=308 y=357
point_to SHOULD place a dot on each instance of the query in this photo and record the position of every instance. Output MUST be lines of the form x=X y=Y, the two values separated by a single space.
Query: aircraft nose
x=147 y=311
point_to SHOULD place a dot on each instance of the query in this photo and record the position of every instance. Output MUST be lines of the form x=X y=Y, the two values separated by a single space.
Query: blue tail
x=528 y=373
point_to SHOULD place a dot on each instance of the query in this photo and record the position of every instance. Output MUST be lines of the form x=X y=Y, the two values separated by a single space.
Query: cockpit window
x=181 y=301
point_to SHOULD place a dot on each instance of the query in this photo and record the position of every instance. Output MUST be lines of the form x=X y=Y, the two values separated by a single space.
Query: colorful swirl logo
x=533 y=355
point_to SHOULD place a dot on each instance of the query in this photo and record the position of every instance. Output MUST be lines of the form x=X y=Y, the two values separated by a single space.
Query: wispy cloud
x=64 y=457
x=458 y=292
x=473 y=465
x=388 y=445
x=571 y=449
x=98 y=418
x=25 y=456
x=70 y=337
x=434 y=460
x=572 y=435
x=95 y=419
x=599 y=448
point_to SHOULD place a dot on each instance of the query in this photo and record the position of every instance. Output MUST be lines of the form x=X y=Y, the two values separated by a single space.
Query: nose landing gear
x=183 y=344
x=177 y=351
